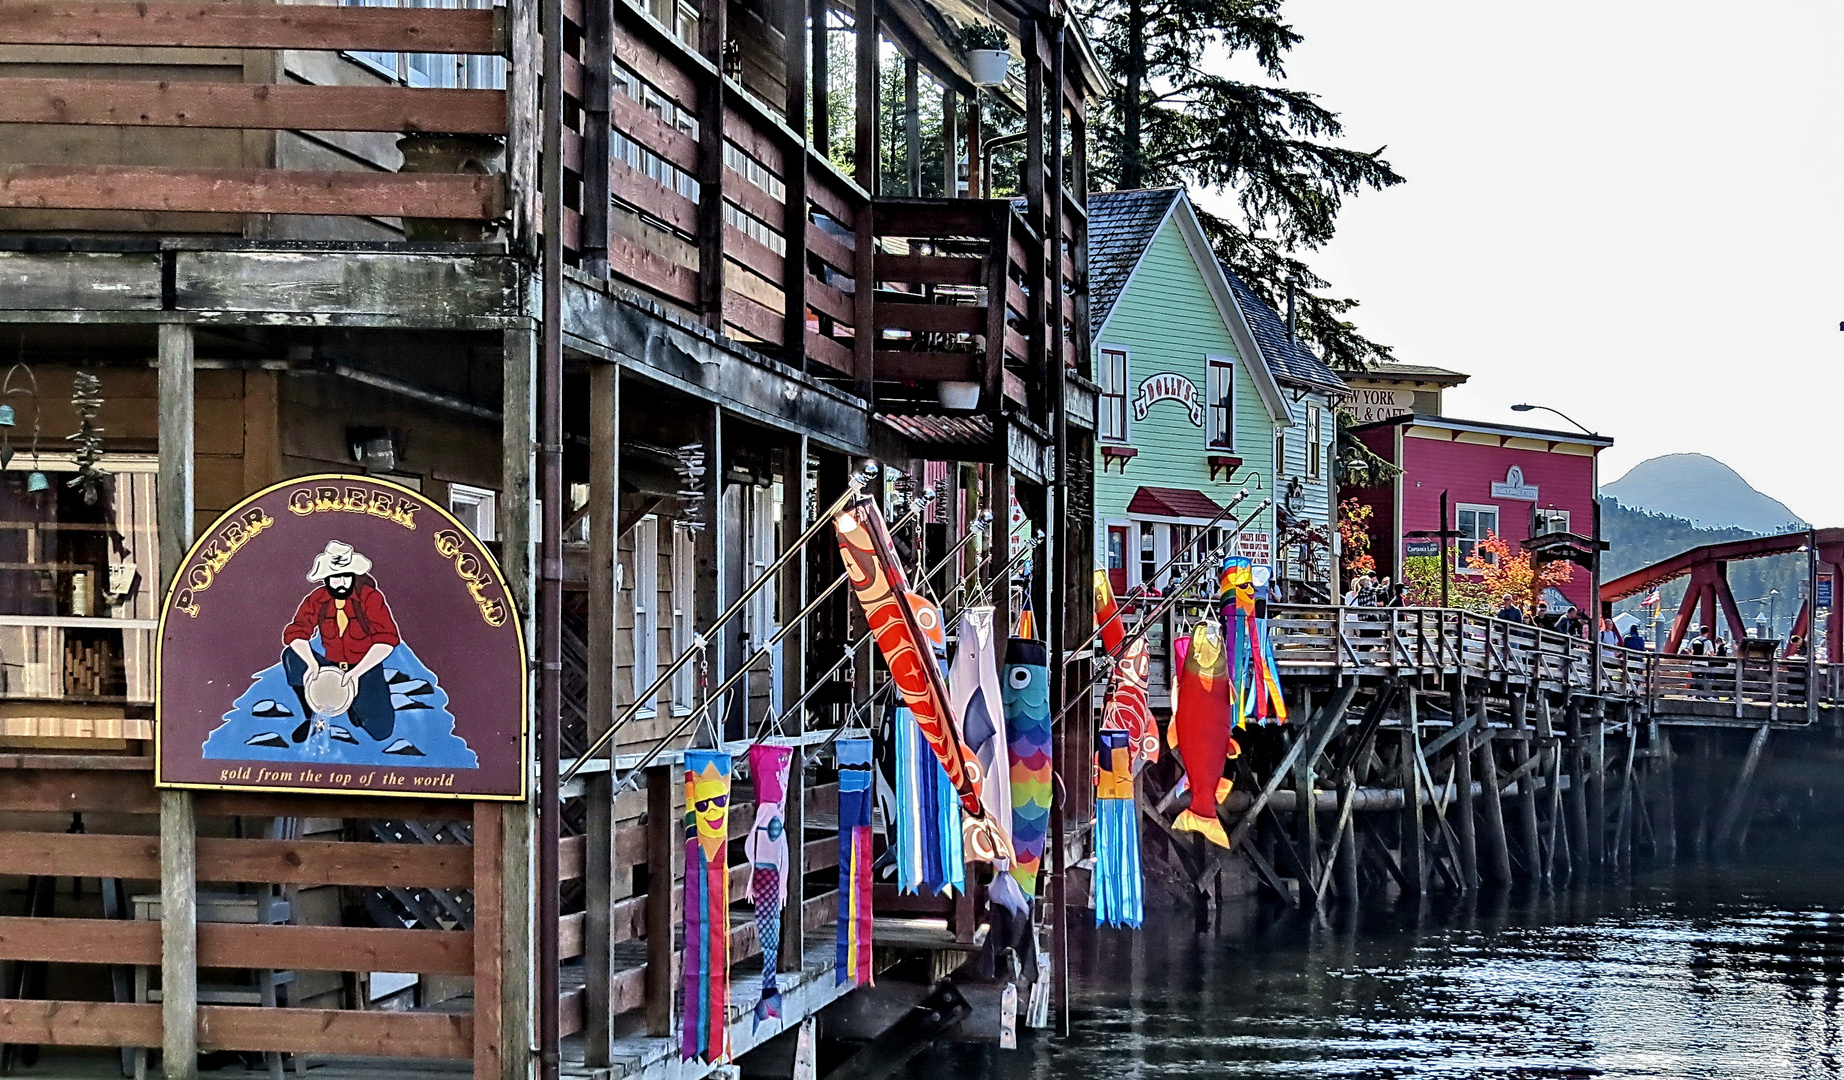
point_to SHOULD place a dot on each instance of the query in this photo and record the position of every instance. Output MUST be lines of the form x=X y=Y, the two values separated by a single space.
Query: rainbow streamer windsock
x=1027 y=720
x=928 y=839
x=767 y=849
x=1243 y=588
x=1118 y=892
x=900 y=623
x=704 y=1034
x=854 y=956
x=1201 y=724
x=974 y=694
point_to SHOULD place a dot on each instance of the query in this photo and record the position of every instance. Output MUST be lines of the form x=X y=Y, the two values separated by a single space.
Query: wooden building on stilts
x=636 y=290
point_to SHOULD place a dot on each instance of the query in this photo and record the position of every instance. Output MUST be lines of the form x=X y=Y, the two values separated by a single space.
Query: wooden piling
x=1414 y=850
x=1739 y=794
x=1596 y=748
x=1579 y=850
x=178 y=845
x=1528 y=750
x=1467 y=853
x=1497 y=869
x=1665 y=821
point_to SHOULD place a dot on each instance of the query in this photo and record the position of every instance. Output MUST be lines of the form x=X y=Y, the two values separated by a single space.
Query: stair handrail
x=645 y=697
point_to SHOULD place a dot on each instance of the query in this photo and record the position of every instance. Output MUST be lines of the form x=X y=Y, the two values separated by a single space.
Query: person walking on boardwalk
x=357 y=632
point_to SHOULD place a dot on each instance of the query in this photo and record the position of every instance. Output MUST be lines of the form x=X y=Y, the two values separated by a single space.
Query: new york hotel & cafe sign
x=341 y=634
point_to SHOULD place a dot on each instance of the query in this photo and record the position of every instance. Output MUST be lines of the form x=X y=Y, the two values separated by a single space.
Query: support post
x=1578 y=788
x=518 y=461
x=1527 y=788
x=794 y=212
x=489 y=939
x=1738 y=796
x=865 y=149
x=819 y=13
x=1414 y=848
x=912 y=126
x=1665 y=821
x=178 y=832
x=713 y=31
x=598 y=79
x=598 y=788
x=1464 y=832
x=665 y=839
x=793 y=583
x=1497 y=869
x=1597 y=785
x=975 y=181
x=950 y=145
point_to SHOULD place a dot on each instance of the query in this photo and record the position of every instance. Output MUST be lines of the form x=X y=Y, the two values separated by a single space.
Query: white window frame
x=1315 y=442
x=1476 y=509
x=644 y=605
x=684 y=602
x=1125 y=415
x=485 y=503
x=1225 y=402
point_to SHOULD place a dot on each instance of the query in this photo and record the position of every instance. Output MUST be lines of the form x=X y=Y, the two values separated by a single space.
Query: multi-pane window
x=1315 y=441
x=1222 y=410
x=1474 y=524
x=439 y=70
x=1113 y=376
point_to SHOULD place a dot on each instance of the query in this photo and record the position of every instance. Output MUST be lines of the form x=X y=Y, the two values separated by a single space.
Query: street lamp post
x=1526 y=407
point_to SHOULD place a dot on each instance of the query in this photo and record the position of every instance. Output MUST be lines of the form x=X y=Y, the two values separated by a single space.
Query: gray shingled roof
x=1287 y=358
x=1120 y=225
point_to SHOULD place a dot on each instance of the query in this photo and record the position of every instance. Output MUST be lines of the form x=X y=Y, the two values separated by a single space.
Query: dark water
x=1690 y=972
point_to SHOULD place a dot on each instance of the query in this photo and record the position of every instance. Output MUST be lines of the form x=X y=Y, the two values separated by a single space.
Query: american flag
x=1651 y=599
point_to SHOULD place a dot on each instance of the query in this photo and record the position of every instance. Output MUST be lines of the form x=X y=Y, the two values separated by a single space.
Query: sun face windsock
x=1027 y=719
x=767 y=849
x=1201 y=728
x=704 y=1034
x=1119 y=898
x=854 y=938
x=903 y=636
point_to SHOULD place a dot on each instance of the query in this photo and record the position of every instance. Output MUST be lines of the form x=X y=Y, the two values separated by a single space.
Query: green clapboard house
x=1189 y=411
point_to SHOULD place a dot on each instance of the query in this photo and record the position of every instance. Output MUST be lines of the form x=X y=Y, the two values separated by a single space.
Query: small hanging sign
x=1008 y=1017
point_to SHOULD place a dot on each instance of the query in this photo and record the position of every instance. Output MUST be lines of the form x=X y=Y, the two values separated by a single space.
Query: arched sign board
x=340 y=633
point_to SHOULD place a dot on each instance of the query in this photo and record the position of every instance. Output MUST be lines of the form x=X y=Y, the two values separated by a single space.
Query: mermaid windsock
x=899 y=622
x=854 y=940
x=1118 y=899
x=704 y=1034
x=767 y=849
x=1027 y=719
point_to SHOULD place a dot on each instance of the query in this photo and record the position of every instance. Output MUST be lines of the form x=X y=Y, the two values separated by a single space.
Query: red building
x=1517 y=482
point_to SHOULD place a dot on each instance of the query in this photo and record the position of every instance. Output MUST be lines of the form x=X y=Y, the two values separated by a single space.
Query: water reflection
x=1682 y=973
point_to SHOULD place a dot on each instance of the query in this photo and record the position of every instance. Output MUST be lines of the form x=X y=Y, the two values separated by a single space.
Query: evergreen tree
x=1168 y=121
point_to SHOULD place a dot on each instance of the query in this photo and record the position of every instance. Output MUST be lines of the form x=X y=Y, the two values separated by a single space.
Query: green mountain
x=1636 y=538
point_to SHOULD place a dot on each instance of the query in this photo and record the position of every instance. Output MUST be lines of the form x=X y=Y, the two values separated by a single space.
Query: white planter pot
x=988 y=66
x=962 y=396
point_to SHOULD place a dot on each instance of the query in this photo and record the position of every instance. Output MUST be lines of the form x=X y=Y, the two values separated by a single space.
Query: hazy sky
x=1633 y=212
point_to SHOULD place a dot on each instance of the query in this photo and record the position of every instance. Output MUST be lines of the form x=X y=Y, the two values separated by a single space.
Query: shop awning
x=1173 y=503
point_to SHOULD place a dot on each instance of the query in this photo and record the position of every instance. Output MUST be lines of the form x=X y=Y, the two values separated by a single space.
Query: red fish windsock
x=898 y=621
x=1201 y=729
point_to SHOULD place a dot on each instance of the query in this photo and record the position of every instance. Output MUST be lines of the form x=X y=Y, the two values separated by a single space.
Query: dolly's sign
x=339 y=633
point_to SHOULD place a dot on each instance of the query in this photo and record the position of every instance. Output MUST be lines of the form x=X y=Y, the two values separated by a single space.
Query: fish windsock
x=1202 y=725
x=1107 y=615
x=1027 y=720
x=905 y=639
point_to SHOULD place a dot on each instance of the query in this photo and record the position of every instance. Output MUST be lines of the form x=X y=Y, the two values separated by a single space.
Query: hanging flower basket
x=988 y=66
x=988 y=51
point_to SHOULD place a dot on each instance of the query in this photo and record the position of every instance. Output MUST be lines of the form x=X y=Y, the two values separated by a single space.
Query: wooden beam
x=665 y=846
x=249 y=26
x=713 y=18
x=867 y=149
x=598 y=795
x=251 y=191
x=178 y=829
x=793 y=582
x=83 y=1023
x=277 y=107
x=336 y=1031
x=518 y=443
x=489 y=940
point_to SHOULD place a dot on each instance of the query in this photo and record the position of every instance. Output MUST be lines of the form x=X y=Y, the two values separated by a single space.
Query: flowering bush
x=1354 y=538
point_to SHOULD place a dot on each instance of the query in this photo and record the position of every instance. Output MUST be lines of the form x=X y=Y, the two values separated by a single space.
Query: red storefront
x=1514 y=481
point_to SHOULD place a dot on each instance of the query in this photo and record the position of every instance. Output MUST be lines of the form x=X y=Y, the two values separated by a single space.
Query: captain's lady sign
x=340 y=633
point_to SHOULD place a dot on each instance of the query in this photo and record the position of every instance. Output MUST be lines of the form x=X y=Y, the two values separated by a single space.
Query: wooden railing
x=1401 y=641
x=284 y=106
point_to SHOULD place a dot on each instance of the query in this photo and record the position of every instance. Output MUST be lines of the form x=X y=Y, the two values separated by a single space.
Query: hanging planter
x=957 y=396
x=988 y=52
